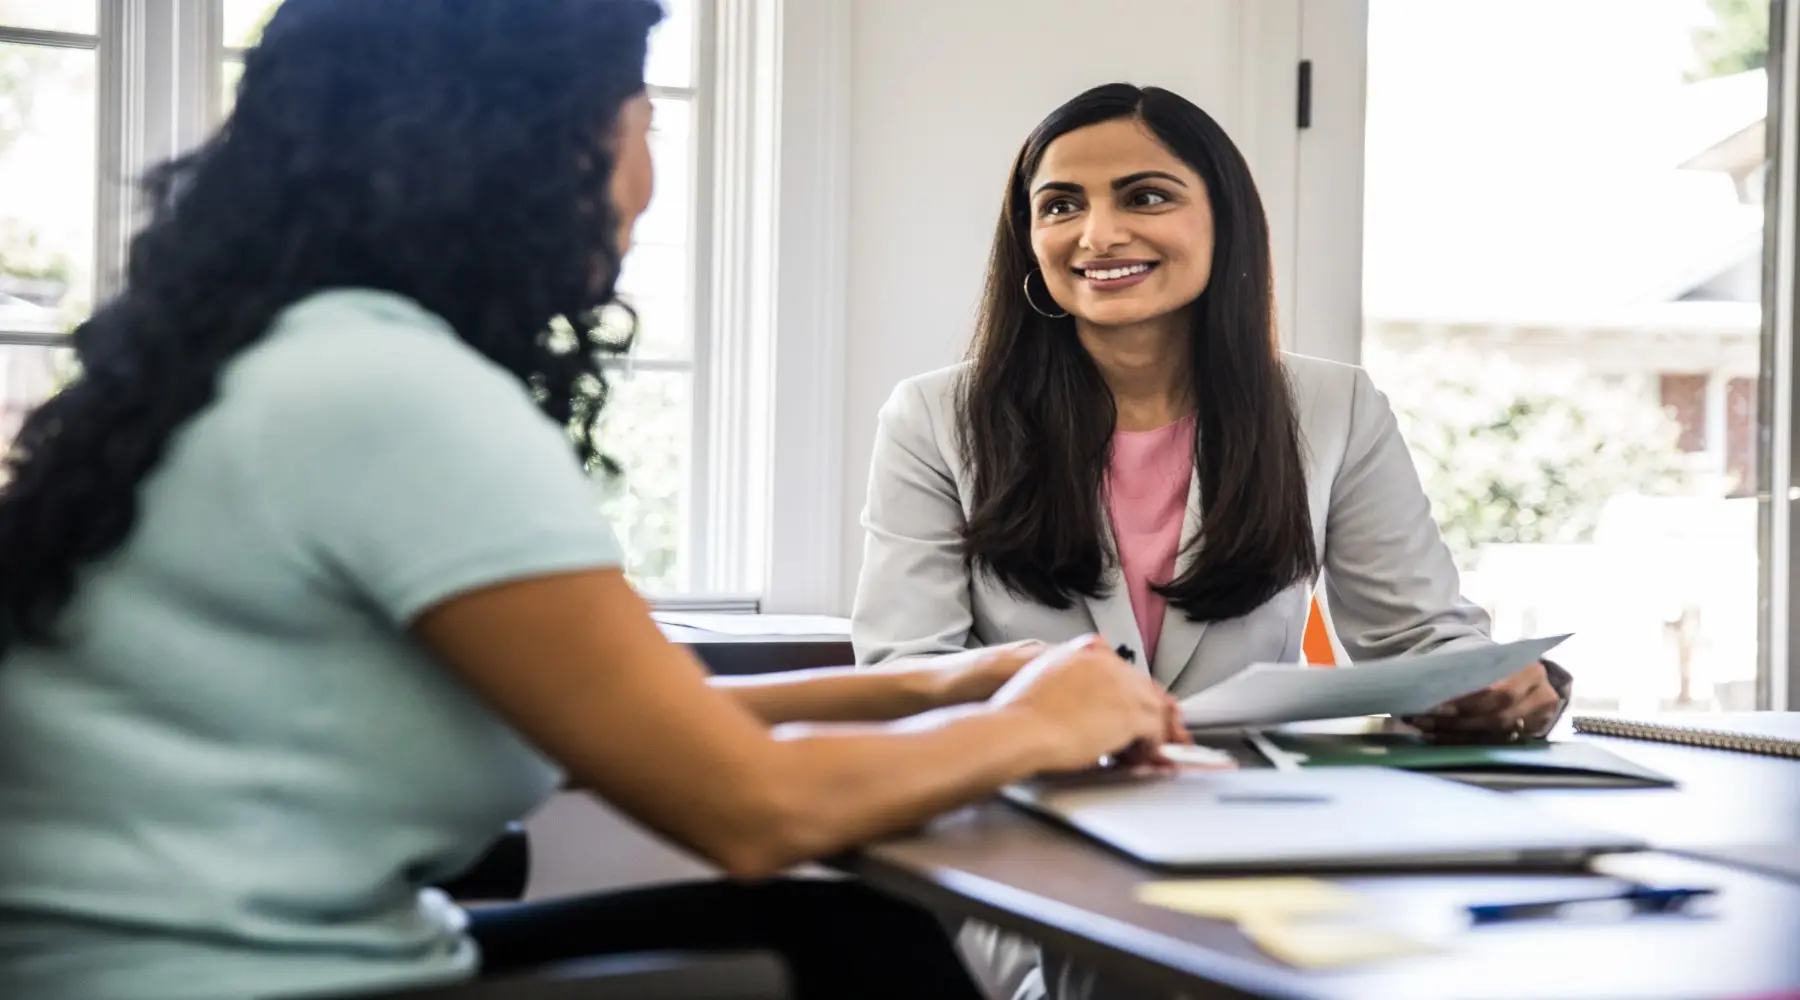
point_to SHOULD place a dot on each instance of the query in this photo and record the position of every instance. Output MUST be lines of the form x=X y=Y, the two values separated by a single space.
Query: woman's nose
x=1104 y=231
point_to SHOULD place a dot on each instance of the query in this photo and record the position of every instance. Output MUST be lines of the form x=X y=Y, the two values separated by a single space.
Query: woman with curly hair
x=303 y=594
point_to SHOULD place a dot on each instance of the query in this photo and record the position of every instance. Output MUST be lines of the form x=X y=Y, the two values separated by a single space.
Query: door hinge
x=1303 y=112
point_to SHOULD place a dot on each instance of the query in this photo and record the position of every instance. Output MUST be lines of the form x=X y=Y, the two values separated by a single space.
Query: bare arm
x=878 y=694
x=576 y=663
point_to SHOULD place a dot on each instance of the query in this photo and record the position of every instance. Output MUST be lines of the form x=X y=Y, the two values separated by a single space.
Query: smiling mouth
x=1116 y=278
x=1115 y=273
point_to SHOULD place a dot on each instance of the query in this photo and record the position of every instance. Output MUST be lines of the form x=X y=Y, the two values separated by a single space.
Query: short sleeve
x=400 y=460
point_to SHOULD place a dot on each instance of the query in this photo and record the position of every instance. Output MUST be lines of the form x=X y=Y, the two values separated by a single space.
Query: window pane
x=656 y=284
x=672 y=150
x=645 y=428
x=244 y=20
x=658 y=278
x=79 y=16
x=1563 y=259
x=28 y=375
x=671 y=62
x=229 y=75
x=48 y=153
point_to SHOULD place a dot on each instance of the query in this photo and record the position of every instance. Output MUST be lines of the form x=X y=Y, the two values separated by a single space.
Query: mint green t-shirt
x=239 y=775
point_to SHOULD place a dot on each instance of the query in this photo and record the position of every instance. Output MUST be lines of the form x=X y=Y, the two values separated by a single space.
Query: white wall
x=942 y=93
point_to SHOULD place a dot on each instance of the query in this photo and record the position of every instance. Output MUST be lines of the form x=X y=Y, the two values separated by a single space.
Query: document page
x=1273 y=693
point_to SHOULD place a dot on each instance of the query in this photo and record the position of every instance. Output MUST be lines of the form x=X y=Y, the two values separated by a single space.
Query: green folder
x=1534 y=764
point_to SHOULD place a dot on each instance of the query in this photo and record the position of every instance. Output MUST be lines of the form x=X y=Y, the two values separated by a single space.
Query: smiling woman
x=1139 y=217
x=1128 y=451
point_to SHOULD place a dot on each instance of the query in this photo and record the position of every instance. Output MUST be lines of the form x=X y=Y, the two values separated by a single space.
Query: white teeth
x=1114 y=274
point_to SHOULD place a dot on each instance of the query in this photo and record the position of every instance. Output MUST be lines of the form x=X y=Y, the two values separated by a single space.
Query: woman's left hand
x=1523 y=706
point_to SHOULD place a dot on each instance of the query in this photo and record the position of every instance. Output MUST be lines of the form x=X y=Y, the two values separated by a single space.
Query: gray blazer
x=1390 y=583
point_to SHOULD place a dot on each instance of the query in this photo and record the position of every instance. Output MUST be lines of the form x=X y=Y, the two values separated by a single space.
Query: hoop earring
x=1034 y=305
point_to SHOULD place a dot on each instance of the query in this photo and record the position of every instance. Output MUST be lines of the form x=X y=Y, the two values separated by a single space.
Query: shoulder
x=934 y=390
x=1326 y=391
x=353 y=354
x=926 y=402
x=1310 y=375
x=918 y=423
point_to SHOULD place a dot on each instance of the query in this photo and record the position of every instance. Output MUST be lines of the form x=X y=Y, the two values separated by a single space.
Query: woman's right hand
x=1091 y=704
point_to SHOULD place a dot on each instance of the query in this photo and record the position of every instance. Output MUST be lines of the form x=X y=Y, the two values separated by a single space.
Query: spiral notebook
x=1773 y=734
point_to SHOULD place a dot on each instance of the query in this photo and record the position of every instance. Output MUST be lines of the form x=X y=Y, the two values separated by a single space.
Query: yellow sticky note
x=1237 y=898
x=1312 y=945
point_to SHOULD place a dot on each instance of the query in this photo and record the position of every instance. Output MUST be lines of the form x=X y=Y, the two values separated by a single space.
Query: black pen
x=1642 y=899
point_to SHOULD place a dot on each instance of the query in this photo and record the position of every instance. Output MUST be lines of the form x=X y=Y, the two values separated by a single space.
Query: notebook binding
x=1713 y=739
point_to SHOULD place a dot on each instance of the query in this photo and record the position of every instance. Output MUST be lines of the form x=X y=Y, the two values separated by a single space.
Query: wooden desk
x=761 y=654
x=997 y=864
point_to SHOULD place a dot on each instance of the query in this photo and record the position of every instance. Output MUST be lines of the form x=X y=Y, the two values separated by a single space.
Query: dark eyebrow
x=1118 y=185
x=1144 y=175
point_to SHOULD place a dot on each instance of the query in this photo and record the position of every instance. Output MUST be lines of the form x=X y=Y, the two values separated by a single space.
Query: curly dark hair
x=451 y=151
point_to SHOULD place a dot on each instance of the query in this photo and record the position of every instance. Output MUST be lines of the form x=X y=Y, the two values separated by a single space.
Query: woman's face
x=633 y=177
x=1121 y=227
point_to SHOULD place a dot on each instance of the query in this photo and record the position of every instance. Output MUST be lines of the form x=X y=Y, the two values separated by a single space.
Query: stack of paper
x=1299 y=921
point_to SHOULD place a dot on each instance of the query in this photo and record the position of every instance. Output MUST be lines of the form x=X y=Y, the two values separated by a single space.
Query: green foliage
x=18 y=65
x=1515 y=454
x=24 y=71
x=23 y=254
x=1737 y=41
x=645 y=429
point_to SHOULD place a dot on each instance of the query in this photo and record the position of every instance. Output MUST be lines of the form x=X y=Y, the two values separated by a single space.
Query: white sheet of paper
x=1273 y=693
x=729 y=624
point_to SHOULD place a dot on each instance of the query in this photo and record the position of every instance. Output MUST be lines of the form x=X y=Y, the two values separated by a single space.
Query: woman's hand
x=1092 y=704
x=1523 y=706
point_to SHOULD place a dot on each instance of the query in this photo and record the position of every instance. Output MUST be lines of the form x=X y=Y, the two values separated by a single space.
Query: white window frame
x=160 y=92
x=1329 y=310
x=78 y=41
x=155 y=75
x=1780 y=420
x=773 y=297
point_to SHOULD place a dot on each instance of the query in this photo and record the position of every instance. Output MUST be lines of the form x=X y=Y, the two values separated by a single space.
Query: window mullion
x=16 y=338
x=198 y=38
x=119 y=142
x=736 y=319
x=158 y=85
x=48 y=39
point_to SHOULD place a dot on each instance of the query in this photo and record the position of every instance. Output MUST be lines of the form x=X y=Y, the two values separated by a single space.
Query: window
x=51 y=210
x=241 y=23
x=49 y=133
x=79 y=17
x=1563 y=259
x=648 y=425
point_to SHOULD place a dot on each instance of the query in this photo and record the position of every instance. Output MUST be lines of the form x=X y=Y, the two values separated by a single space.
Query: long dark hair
x=451 y=152
x=1037 y=418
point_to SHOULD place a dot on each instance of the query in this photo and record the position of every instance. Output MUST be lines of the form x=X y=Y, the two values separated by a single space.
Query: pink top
x=1146 y=497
